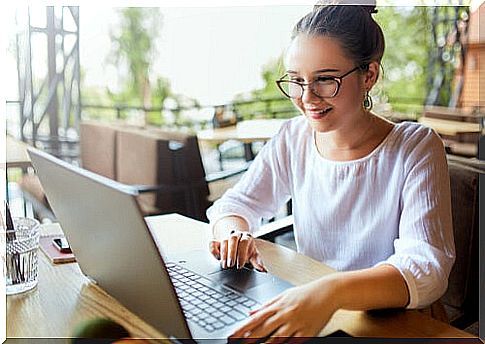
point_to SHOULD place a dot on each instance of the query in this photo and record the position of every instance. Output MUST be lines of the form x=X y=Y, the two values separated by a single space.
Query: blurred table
x=64 y=297
x=450 y=128
x=16 y=154
x=247 y=132
x=459 y=137
x=16 y=157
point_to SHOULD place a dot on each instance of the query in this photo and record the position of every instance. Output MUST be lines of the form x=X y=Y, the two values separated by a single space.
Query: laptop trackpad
x=258 y=285
x=241 y=280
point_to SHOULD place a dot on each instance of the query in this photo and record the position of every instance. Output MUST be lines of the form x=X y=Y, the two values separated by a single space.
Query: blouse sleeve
x=425 y=251
x=262 y=190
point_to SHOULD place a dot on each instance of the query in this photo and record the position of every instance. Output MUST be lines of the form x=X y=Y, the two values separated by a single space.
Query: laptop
x=185 y=297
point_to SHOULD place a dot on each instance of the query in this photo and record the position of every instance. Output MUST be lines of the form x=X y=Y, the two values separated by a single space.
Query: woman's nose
x=308 y=96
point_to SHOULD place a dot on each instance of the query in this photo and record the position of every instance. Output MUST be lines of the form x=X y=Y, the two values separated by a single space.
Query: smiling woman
x=370 y=198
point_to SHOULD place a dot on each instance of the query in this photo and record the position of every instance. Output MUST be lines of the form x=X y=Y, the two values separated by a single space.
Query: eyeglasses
x=322 y=87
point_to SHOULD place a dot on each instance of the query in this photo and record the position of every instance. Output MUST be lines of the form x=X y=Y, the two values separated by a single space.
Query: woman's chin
x=319 y=124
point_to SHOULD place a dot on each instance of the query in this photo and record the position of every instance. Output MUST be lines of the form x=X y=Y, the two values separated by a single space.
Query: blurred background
x=175 y=68
x=172 y=66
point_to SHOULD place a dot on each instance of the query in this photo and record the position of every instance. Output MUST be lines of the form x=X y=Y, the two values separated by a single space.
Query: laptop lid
x=111 y=241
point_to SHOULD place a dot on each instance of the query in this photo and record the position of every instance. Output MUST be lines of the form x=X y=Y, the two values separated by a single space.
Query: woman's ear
x=371 y=75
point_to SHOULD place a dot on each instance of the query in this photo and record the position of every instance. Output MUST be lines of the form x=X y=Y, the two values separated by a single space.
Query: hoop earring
x=368 y=104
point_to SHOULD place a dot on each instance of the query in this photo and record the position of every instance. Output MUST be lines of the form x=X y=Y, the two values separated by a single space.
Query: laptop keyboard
x=209 y=307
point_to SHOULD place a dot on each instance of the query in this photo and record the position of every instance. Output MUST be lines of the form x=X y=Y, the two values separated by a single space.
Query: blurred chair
x=167 y=170
x=165 y=167
x=461 y=298
x=98 y=148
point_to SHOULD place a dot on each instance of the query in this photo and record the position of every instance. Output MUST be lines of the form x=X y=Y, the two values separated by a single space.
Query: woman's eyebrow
x=325 y=70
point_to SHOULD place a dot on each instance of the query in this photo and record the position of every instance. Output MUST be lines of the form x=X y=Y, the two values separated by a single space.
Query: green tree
x=134 y=47
x=271 y=72
x=268 y=99
x=407 y=34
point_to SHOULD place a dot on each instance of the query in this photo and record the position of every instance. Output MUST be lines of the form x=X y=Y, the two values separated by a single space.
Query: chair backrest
x=149 y=156
x=187 y=169
x=144 y=159
x=98 y=142
x=462 y=292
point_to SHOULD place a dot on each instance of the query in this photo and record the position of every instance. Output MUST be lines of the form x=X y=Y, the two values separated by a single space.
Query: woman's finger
x=232 y=249
x=273 y=325
x=223 y=250
x=245 y=330
x=214 y=247
x=257 y=263
x=242 y=251
x=266 y=305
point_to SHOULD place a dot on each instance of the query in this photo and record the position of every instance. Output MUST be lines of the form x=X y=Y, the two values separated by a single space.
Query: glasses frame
x=337 y=79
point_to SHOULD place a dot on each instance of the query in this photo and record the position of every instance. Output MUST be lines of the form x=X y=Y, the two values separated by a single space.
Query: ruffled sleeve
x=262 y=190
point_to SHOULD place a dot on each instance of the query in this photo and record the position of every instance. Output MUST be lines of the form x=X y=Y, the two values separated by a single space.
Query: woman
x=370 y=198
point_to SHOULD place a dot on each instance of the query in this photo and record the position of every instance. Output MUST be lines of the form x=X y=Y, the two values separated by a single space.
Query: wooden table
x=16 y=157
x=450 y=128
x=16 y=154
x=459 y=137
x=244 y=131
x=247 y=132
x=64 y=297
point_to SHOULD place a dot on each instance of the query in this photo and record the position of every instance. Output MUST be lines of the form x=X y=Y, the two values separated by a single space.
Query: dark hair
x=352 y=25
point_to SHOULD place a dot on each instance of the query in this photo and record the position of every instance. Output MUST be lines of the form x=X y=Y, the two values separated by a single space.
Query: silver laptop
x=188 y=297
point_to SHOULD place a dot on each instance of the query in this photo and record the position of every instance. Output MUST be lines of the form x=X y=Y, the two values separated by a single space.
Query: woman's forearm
x=372 y=288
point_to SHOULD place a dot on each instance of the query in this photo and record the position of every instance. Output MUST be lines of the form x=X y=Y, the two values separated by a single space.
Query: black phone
x=62 y=245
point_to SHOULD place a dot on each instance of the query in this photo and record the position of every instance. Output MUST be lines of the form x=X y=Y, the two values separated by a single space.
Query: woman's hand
x=237 y=250
x=298 y=312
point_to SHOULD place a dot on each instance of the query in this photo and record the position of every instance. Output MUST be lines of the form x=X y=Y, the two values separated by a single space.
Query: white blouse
x=391 y=207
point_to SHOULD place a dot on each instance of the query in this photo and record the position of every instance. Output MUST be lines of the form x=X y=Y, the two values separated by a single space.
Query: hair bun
x=367 y=5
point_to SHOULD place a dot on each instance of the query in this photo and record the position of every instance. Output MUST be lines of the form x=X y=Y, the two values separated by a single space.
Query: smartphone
x=62 y=245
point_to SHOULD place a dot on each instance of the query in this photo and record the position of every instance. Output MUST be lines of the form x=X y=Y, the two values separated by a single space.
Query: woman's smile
x=317 y=113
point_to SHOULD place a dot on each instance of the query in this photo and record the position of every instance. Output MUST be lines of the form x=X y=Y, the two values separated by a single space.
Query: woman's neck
x=355 y=140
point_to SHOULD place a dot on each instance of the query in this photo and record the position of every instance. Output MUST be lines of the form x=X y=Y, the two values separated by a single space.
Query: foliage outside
x=133 y=50
x=401 y=90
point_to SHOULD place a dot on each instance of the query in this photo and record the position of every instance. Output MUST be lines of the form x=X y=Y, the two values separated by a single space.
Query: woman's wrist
x=328 y=292
x=371 y=288
x=225 y=226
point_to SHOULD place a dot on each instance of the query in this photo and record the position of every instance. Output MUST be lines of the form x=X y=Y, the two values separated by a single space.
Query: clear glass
x=21 y=259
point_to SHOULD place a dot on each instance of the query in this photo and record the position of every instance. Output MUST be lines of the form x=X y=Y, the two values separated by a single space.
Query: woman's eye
x=324 y=79
x=297 y=79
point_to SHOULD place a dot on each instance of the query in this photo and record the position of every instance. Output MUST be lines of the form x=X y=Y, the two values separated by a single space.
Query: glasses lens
x=325 y=88
x=290 y=89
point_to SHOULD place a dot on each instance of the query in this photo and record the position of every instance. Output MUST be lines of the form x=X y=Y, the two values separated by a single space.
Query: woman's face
x=310 y=58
